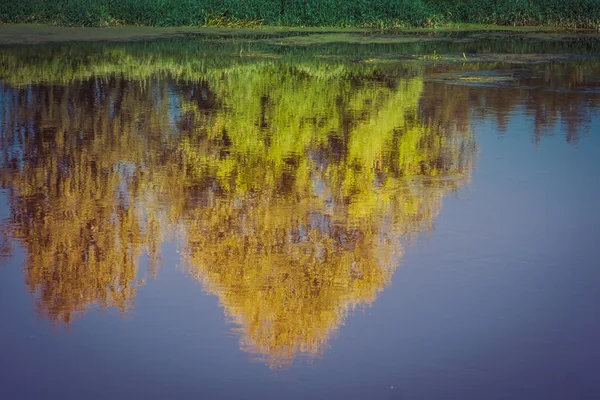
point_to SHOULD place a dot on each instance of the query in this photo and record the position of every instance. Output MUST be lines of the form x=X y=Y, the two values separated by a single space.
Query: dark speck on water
x=301 y=215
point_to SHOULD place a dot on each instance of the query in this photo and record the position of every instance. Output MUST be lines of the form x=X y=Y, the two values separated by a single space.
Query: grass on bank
x=348 y=13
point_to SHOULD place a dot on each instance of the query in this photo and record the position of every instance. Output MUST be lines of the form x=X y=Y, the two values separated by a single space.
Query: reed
x=348 y=13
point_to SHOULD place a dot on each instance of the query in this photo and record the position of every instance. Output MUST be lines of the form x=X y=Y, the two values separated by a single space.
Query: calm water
x=222 y=219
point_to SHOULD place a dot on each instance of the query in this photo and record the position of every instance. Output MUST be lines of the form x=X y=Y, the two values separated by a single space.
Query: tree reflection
x=317 y=180
x=70 y=159
x=294 y=184
x=550 y=95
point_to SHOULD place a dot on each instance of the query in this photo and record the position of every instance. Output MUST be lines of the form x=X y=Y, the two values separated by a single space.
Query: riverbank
x=323 y=13
x=17 y=34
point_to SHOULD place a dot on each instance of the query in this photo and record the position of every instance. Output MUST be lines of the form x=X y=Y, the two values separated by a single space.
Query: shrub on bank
x=355 y=13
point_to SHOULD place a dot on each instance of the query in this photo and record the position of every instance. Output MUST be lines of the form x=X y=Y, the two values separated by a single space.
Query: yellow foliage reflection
x=75 y=195
x=293 y=185
x=319 y=179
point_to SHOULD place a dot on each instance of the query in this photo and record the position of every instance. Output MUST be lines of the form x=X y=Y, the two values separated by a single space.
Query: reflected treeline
x=565 y=94
x=292 y=186
x=292 y=183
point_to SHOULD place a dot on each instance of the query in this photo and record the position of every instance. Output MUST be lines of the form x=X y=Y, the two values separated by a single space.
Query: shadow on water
x=292 y=181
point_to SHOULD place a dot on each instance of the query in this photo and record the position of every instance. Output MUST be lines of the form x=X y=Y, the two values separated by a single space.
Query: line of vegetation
x=348 y=13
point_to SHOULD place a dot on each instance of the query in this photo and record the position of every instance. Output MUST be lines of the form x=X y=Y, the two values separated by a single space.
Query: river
x=301 y=215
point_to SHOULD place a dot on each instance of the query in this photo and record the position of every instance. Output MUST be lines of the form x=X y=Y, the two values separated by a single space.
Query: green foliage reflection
x=293 y=187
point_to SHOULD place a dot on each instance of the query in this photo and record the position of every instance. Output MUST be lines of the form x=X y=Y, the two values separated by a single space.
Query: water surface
x=232 y=218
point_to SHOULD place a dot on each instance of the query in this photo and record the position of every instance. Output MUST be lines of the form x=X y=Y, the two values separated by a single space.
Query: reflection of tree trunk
x=119 y=101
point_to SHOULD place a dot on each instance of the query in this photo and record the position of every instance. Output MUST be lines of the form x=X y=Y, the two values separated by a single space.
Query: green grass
x=349 y=13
